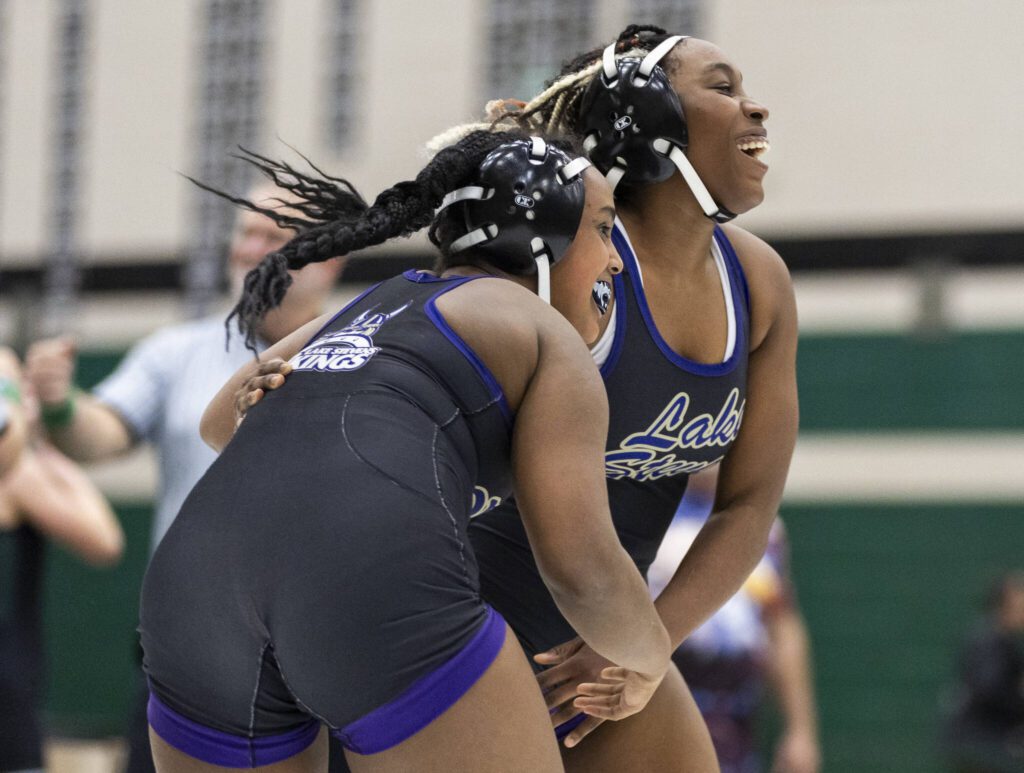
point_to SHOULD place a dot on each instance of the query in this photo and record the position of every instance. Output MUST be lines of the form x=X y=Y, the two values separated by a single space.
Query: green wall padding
x=90 y=618
x=968 y=381
x=889 y=592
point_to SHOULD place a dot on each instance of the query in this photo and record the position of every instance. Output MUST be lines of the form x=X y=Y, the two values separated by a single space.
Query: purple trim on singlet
x=425 y=277
x=732 y=269
x=219 y=748
x=428 y=697
x=341 y=311
x=434 y=315
x=620 y=326
x=568 y=726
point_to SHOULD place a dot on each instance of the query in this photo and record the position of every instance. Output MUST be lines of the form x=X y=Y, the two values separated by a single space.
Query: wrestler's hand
x=621 y=693
x=581 y=681
x=569 y=664
x=269 y=375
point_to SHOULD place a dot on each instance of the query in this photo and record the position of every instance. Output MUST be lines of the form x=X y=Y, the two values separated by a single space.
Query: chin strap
x=672 y=151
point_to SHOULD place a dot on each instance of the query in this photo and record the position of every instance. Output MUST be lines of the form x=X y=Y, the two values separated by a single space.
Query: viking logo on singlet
x=673 y=442
x=482 y=502
x=347 y=349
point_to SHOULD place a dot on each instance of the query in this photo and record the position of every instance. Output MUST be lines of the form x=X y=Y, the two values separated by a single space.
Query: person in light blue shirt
x=157 y=394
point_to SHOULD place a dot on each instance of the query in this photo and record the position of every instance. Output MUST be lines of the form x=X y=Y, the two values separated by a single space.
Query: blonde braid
x=557 y=110
x=549 y=111
x=552 y=107
x=451 y=136
x=540 y=105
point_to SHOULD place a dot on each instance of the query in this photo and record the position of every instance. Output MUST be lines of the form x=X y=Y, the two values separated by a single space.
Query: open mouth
x=755 y=148
x=602 y=295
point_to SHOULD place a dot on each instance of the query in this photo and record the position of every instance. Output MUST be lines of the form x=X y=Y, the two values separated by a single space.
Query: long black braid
x=315 y=200
x=335 y=220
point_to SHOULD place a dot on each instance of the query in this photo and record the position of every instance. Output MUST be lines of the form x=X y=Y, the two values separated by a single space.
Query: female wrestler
x=703 y=336
x=331 y=581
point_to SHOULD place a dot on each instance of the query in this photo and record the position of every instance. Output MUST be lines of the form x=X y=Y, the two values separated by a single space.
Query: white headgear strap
x=678 y=157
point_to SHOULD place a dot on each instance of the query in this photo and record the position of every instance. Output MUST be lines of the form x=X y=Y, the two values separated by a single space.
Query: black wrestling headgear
x=525 y=208
x=634 y=128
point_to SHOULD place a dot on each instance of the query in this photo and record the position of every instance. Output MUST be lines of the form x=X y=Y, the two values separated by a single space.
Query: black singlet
x=21 y=648
x=669 y=417
x=320 y=571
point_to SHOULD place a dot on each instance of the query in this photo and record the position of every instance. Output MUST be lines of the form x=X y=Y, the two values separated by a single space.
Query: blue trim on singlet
x=731 y=267
x=428 y=697
x=219 y=748
x=341 y=311
x=434 y=315
x=569 y=725
x=620 y=326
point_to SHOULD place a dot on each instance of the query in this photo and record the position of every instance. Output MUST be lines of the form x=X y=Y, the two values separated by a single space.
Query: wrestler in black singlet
x=320 y=571
x=21 y=648
x=669 y=418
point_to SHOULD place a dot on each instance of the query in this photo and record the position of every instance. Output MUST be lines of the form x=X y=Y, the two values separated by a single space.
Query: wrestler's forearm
x=727 y=549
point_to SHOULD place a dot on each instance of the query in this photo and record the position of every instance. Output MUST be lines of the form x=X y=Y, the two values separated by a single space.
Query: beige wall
x=887 y=116
x=25 y=35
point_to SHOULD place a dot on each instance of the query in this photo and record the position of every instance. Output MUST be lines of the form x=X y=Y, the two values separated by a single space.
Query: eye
x=605 y=230
x=725 y=88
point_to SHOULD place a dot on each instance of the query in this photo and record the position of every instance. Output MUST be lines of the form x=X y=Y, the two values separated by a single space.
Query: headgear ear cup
x=634 y=127
x=524 y=210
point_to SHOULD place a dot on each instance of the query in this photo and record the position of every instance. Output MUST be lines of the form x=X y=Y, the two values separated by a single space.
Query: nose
x=755 y=110
x=614 y=261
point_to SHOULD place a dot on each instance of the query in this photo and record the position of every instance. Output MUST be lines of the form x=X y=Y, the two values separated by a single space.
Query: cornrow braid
x=338 y=222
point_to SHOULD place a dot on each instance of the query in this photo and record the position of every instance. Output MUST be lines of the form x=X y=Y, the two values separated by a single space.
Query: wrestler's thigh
x=669 y=735
x=500 y=725
x=167 y=759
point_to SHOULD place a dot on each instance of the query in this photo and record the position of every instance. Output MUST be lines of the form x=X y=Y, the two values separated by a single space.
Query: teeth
x=754 y=148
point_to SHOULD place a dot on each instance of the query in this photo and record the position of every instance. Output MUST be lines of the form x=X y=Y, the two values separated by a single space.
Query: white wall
x=886 y=116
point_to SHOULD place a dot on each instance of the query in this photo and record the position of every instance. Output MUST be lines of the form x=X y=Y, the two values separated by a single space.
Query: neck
x=667 y=227
x=486 y=269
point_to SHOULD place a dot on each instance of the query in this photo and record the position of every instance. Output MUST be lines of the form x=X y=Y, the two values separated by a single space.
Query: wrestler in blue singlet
x=670 y=417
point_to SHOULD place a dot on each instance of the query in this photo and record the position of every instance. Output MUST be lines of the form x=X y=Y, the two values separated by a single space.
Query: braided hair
x=556 y=109
x=333 y=219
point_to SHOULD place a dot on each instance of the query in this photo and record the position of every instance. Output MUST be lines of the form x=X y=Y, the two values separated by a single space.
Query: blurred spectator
x=757 y=637
x=986 y=732
x=159 y=391
x=12 y=420
x=43 y=495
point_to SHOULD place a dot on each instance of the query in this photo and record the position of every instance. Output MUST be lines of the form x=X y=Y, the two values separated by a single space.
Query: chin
x=756 y=198
x=744 y=203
